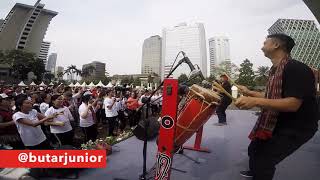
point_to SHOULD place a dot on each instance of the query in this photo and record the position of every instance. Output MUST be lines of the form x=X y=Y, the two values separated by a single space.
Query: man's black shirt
x=298 y=81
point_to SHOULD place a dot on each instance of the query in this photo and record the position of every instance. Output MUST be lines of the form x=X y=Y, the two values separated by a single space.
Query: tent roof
x=22 y=84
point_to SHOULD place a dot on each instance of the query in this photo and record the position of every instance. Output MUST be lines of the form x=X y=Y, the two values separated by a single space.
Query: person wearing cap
x=224 y=103
x=8 y=130
x=88 y=119
x=61 y=125
x=27 y=121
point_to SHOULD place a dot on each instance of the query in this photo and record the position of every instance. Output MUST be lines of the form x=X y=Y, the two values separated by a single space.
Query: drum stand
x=197 y=143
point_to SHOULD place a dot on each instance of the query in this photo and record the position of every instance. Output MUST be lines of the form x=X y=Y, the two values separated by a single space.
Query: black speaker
x=152 y=129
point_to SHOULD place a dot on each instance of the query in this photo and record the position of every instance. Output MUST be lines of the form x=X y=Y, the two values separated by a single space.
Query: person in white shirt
x=155 y=103
x=88 y=119
x=61 y=125
x=27 y=121
x=46 y=100
x=110 y=110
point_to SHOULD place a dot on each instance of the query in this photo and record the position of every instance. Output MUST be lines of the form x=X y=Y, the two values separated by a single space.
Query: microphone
x=187 y=60
x=195 y=73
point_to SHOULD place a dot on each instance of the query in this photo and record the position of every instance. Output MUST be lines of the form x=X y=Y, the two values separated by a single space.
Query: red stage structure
x=177 y=128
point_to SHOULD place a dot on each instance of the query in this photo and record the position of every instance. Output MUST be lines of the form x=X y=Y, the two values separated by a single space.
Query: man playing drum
x=289 y=111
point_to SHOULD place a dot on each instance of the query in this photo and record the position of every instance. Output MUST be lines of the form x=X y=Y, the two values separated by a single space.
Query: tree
x=262 y=76
x=211 y=78
x=22 y=63
x=150 y=78
x=136 y=82
x=183 y=78
x=246 y=75
x=60 y=75
x=48 y=76
x=125 y=80
x=226 y=67
x=71 y=70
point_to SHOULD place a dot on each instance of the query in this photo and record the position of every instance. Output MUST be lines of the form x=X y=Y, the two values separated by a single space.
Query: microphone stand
x=146 y=122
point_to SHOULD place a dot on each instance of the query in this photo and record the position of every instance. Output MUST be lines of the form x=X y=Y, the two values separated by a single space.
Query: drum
x=200 y=105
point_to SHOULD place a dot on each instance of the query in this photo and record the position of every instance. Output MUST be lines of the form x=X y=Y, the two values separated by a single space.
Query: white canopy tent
x=91 y=85
x=83 y=84
x=77 y=84
x=109 y=85
x=51 y=84
x=42 y=84
x=22 y=84
x=33 y=84
x=71 y=85
x=100 y=84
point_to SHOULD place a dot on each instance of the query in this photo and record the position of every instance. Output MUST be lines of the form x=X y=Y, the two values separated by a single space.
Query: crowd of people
x=47 y=117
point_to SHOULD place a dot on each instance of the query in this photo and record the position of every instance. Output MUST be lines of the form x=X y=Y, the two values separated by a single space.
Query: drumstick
x=217 y=85
x=232 y=82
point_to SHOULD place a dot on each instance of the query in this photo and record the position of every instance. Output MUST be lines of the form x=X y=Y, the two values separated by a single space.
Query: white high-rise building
x=219 y=50
x=52 y=60
x=151 y=55
x=44 y=50
x=189 y=38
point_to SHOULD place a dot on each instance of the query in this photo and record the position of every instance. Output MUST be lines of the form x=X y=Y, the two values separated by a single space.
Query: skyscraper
x=219 y=50
x=24 y=27
x=151 y=55
x=51 y=65
x=307 y=38
x=99 y=71
x=44 y=50
x=188 y=38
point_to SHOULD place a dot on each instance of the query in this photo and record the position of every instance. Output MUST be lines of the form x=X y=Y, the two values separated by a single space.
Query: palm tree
x=72 y=69
x=262 y=71
x=262 y=75
x=60 y=75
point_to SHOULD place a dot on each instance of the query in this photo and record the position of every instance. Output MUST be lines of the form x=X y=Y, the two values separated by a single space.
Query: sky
x=113 y=31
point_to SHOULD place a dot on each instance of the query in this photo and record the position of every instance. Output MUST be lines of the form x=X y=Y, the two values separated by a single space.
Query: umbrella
x=22 y=84
x=51 y=84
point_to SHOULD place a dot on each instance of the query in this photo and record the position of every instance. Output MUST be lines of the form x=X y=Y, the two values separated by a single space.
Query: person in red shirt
x=132 y=106
x=8 y=131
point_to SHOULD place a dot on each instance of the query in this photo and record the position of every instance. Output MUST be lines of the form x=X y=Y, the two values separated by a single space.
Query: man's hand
x=246 y=102
x=243 y=89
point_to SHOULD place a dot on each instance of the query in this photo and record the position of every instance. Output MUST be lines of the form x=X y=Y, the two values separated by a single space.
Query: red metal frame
x=167 y=129
x=197 y=143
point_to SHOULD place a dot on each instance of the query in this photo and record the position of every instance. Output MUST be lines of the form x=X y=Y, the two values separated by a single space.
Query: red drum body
x=200 y=105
